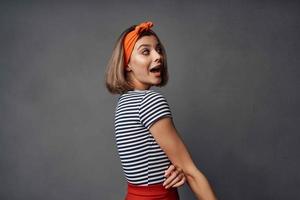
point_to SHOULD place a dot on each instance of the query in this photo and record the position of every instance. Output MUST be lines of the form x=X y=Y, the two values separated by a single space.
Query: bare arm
x=168 y=139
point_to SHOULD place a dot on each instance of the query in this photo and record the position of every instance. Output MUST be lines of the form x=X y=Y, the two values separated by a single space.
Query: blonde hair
x=116 y=80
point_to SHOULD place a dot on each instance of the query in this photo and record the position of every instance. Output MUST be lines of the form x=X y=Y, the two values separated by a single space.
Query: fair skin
x=173 y=146
x=145 y=56
x=174 y=177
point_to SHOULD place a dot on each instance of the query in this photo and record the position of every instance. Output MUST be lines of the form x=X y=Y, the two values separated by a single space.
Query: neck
x=136 y=85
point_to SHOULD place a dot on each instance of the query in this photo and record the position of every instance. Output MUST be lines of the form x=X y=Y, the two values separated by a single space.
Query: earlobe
x=128 y=69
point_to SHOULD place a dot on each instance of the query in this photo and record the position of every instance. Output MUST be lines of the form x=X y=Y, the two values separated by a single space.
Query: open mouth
x=155 y=69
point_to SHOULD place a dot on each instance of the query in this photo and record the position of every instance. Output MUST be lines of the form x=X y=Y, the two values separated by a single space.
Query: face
x=145 y=65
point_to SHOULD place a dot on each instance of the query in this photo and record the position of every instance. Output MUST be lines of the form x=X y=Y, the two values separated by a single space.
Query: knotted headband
x=131 y=38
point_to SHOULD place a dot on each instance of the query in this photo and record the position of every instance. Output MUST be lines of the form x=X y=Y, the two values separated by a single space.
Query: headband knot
x=145 y=26
x=131 y=38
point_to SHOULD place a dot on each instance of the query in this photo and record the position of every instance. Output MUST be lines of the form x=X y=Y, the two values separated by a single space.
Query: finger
x=169 y=170
x=174 y=178
x=180 y=179
x=180 y=183
x=174 y=181
x=170 y=178
x=176 y=172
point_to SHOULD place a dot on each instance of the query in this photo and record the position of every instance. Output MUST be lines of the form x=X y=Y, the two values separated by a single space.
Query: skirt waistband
x=157 y=191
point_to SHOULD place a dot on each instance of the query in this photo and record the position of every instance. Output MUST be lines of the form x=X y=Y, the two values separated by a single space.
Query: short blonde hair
x=116 y=80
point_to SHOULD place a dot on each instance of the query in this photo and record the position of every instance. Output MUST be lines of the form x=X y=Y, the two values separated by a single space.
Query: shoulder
x=151 y=94
x=153 y=99
x=153 y=107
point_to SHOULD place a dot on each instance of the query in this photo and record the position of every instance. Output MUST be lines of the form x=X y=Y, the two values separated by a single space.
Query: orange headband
x=131 y=38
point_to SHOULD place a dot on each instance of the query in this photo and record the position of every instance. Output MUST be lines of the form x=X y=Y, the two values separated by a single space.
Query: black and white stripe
x=142 y=159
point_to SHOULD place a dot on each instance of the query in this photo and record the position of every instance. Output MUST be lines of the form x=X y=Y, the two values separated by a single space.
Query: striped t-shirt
x=143 y=161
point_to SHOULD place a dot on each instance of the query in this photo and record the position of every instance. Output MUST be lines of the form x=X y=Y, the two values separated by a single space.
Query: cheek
x=141 y=62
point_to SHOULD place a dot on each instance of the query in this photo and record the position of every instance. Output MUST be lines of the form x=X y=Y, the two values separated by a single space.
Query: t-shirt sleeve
x=153 y=107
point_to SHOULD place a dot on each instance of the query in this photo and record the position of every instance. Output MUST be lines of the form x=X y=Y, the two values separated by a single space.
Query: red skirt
x=151 y=192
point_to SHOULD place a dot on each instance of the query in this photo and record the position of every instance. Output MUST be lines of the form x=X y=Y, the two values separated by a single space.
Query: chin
x=157 y=83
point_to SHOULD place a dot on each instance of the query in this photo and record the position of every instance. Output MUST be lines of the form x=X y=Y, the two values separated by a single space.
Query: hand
x=174 y=177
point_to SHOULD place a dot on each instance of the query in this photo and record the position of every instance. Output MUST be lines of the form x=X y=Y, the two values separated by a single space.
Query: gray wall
x=233 y=91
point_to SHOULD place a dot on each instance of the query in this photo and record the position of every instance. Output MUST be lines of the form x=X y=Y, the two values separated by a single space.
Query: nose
x=157 y=56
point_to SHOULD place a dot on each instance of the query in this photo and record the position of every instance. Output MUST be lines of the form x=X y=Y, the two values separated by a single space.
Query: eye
x=145 y=51
x=159 y=50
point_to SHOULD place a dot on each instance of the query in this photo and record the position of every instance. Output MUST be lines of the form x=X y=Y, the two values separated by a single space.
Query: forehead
x=147 y=40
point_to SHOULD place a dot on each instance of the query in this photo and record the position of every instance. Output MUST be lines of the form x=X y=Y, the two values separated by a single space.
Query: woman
x=147 y=140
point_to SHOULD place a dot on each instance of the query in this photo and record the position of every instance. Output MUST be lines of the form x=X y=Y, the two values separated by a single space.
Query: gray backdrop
x=233 y=91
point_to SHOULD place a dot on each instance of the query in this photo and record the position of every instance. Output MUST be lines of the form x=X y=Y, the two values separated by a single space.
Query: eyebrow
x=147 y=45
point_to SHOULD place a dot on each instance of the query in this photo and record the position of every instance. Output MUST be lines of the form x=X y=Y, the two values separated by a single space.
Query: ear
x=127 y=68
